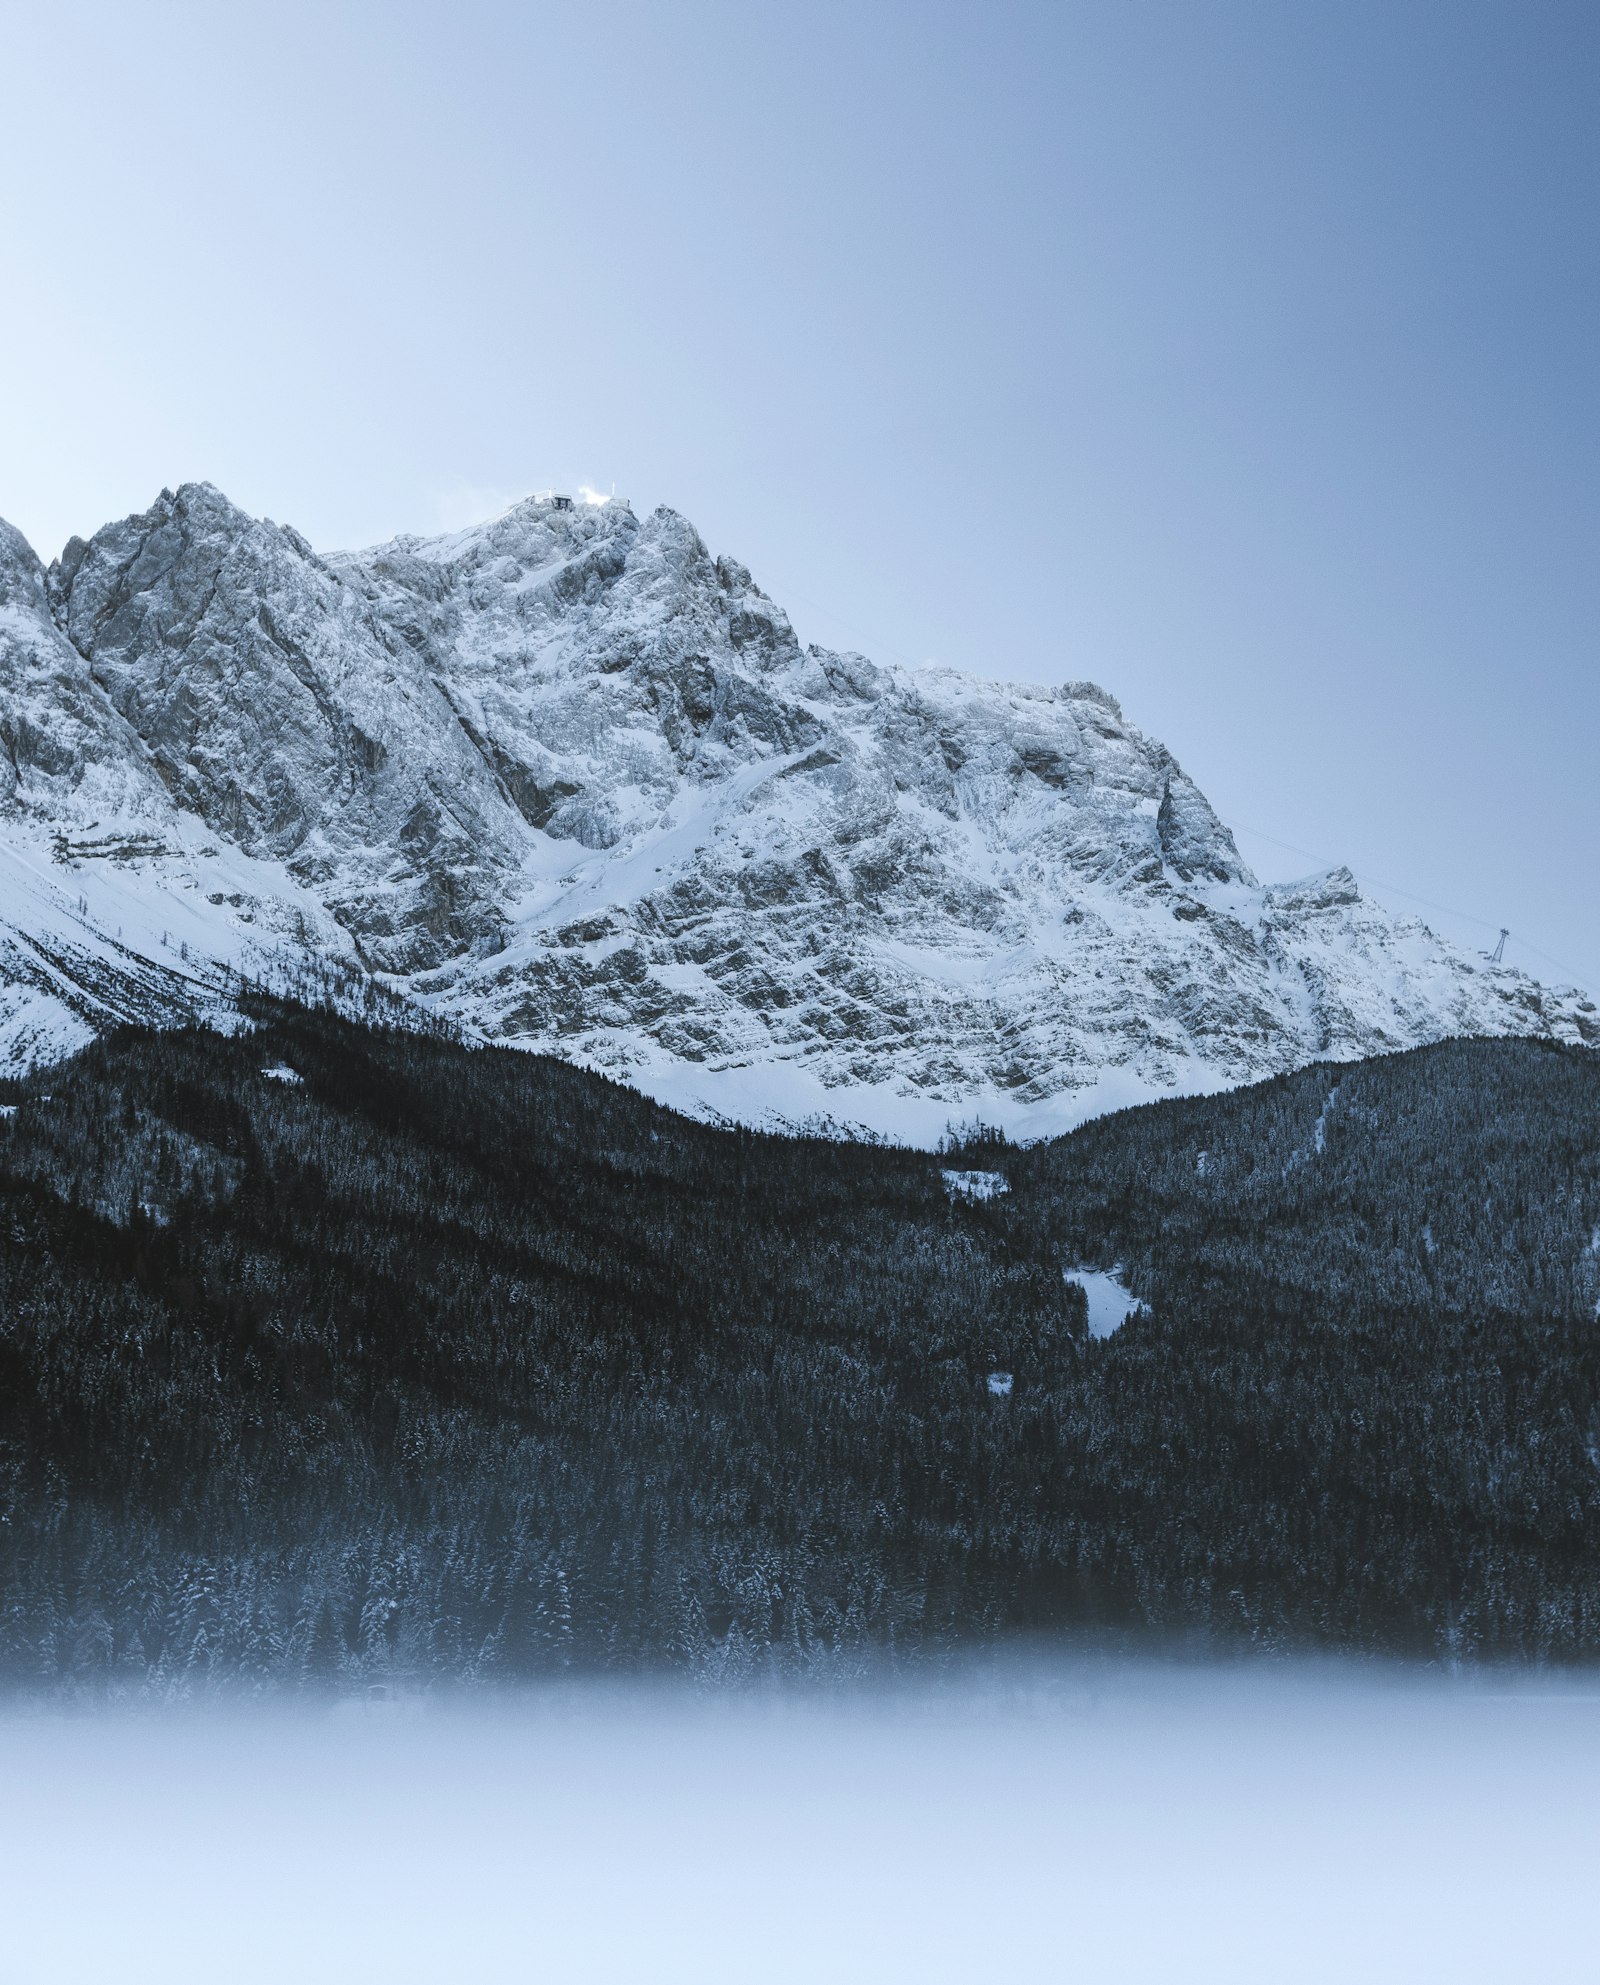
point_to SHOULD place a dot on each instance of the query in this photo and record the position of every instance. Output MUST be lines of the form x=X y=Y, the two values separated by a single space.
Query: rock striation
x=570 y=781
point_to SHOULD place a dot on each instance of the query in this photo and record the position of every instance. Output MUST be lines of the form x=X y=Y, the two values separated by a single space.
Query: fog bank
x=1059 y=1821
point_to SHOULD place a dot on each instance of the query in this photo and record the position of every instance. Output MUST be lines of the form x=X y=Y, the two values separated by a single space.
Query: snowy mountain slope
x=293 y=721
x=573 y=782
x=116 y=903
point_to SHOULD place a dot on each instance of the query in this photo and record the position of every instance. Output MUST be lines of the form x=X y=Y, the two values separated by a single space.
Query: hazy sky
x=1241 y=357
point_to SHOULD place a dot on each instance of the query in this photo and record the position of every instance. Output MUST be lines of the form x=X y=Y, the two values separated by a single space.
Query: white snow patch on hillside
x=975 y=1185
x=37 y=1029
x=791 y=1096
x=195 y=909
x=1111 y=1301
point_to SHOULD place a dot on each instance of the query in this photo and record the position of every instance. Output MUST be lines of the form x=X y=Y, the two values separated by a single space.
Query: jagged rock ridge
x=571 y=781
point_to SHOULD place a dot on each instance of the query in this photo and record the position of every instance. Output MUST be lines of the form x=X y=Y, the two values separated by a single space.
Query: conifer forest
x=339 y=1356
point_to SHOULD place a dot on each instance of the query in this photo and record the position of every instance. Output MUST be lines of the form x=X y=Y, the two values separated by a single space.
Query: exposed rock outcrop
x=574 y=782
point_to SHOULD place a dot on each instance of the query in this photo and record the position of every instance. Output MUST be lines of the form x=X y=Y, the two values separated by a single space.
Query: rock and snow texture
x=572 y=782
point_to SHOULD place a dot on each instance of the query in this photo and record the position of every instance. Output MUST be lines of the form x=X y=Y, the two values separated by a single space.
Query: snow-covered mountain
x=572 y=782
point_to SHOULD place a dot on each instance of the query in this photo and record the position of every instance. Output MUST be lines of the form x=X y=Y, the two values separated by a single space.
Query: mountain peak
x=21 y=573
x=570 y=781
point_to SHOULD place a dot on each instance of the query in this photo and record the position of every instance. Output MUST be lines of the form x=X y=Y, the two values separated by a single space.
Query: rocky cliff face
x=573 y=782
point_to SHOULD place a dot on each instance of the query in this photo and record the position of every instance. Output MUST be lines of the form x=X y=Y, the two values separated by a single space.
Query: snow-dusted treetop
x=572 y=781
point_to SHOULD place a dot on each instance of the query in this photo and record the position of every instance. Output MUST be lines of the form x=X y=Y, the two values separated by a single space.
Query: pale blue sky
x=1241 y=357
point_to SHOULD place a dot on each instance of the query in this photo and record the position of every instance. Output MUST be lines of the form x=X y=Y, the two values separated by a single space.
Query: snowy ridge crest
x=569 y=781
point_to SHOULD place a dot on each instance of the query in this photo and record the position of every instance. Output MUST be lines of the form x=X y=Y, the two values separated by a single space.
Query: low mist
x=1026 y=1819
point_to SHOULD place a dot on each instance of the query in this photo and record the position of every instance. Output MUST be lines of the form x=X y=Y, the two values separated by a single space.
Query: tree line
x=410 y=1362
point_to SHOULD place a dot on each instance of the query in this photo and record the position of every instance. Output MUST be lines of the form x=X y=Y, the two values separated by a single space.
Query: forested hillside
x=1366 y=1404
x=336 y=1355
